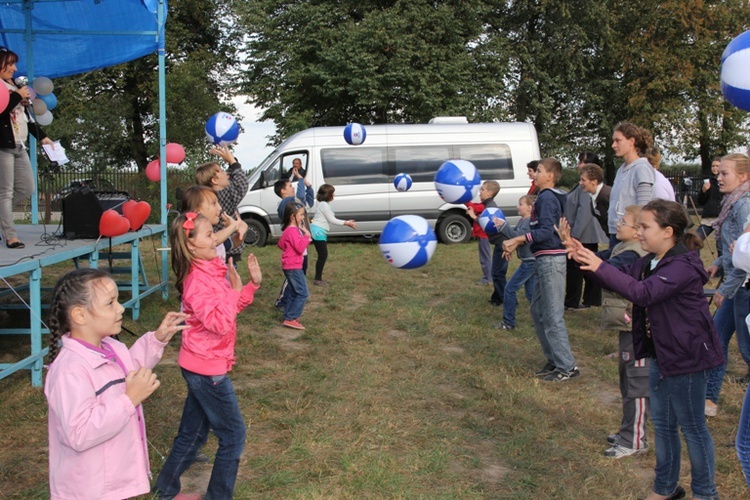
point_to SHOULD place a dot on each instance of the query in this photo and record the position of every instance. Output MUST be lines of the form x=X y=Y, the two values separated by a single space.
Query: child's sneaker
x=562 y=375
x=612 y=439
x=618 y=451
x=293 y=323
x=503 y=326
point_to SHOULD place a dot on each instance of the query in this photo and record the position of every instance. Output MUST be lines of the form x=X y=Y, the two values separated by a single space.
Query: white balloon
x=43 y=85
x=44 y=119
x=40 y=107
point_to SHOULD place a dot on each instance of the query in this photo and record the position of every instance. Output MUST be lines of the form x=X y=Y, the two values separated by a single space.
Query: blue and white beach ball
x=407 y=242
x=457 y=181
x=355 y=134
x=485 y=219
x=402 y=182
x=222 y=128
x=735 y=71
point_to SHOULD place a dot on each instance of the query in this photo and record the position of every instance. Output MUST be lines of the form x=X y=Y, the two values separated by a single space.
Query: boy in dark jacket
x=547 y=304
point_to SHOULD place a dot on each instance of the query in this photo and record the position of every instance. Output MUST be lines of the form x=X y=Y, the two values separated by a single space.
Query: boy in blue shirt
x=547 y=304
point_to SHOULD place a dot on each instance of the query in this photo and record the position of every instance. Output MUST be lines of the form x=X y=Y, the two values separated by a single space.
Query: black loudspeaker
x=82 y=209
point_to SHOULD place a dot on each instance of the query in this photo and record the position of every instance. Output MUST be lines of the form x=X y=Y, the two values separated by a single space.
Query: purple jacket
x=682 y=329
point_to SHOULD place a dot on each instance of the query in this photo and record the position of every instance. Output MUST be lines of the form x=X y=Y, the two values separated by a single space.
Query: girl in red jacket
x=207 y=354
x=293 y=243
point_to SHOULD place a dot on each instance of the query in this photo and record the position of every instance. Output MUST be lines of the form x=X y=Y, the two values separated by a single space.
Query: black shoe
x=494 y=303
x=17 y=244
x=562 y=375
x=201 y=458
x=743 y=380
x=578 y=308
x=613 y=439
x=678 y=493
x=546 y=370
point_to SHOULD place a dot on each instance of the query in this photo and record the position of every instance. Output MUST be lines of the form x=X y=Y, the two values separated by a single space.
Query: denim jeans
x=678 y=402
x=499 y=272
x=284 y=292
x=730 y=318
x=298 y=293
x=211 y=403
x=524 y=275
x=547 y=310
x=742 y=443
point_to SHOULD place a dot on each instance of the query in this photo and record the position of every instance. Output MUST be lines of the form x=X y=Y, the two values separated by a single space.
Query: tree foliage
x=109 y=117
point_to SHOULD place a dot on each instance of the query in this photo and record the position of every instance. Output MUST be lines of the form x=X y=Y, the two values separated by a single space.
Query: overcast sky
x=251 y=147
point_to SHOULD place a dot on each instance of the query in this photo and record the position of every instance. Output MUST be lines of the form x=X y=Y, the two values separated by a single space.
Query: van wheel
x=257 y=234
x=454 y=229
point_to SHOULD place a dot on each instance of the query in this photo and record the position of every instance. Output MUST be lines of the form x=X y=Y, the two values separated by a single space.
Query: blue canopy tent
x=56 y=38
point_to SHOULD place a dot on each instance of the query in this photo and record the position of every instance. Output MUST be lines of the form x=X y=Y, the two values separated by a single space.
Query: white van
x=363 y=175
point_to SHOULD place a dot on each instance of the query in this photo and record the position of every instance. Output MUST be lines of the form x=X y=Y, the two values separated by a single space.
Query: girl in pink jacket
x=293 y=242
x=94 y=388
x=212 y=295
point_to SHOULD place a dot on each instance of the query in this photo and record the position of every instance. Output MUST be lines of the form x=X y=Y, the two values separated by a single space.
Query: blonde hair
x=194 y=196
x=741 y=163
x=527 y=199
x=493 y=187
x=205 y=173
x=634 y=210
x=182 y=257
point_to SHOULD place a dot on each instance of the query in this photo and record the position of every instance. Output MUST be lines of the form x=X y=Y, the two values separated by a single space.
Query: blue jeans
x=211 y=403
x=730 y=318
x=499 y=272
x=742 y=443
x=524 y=275
x=297 y=287
x=678 y=402
x=284 y=292
x=547 y=309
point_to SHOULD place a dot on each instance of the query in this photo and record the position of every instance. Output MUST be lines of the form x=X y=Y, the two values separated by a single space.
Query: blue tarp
x=76 y=36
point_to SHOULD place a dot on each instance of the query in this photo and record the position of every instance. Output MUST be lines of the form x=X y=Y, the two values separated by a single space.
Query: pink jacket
x=208 y=342
x=293 y=243
x=97 y=438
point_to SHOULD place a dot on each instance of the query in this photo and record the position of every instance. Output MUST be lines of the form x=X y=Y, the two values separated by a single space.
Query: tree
x=109 y=117
x=323 y=63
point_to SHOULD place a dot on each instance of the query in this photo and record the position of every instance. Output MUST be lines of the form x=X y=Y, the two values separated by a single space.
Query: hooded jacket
x=208 y=343
x=97 y=438
x=671 y=307
x=545 y=215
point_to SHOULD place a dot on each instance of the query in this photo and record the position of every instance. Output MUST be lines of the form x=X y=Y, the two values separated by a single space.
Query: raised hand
x=140 y=384
x=170 y=325
x=256 y=276
x=588 y=259
x=224 y=152
x=234 y=278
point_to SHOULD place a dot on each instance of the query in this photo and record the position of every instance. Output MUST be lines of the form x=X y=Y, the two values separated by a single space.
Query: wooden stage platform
x=44 y=249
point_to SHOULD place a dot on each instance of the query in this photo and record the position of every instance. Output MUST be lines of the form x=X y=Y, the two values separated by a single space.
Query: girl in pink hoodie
x=95 y=387
x=293 y=243
x=212 y=295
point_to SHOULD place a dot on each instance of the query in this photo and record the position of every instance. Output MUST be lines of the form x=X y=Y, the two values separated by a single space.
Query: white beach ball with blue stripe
x=457 y=181
x=355 y=134
x=486 y=222
x=222 y=128
x=402 y=182
x=407 y=242
x=735 y=71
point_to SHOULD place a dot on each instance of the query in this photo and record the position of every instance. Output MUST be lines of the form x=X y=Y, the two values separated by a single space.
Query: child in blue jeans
x=524 y=275
x=293 y=243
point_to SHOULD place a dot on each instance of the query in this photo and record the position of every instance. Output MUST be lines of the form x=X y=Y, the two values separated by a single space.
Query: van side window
x=354 y=165
x=420 y=162
x=492 y=160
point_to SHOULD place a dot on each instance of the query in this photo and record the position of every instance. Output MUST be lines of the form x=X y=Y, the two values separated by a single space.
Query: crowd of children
x=670 y=365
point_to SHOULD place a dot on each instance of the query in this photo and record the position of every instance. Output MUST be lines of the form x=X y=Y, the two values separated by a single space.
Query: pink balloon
x=4 y=97
x=153 y=171
x=175 y=153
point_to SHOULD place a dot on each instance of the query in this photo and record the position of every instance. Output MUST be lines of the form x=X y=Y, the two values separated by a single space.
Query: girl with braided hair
x=95 y=387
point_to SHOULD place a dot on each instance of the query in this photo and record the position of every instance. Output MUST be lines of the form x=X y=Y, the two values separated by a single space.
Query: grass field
x=399 y=388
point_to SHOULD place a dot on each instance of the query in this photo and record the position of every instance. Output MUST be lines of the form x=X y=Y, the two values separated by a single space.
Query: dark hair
x=279 y=186
x=289 y=209
x=672 y=214
x=643 y=138
x=73 y=289
x=589 y=157
x=552 y=165
x=193 y=196
x=532 y=165
x=716 y=158
x=7 y=57
x=325 y=192
x=593 y=172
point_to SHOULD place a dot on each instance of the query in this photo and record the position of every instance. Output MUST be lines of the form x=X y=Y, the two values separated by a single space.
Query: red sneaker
x=293 y=323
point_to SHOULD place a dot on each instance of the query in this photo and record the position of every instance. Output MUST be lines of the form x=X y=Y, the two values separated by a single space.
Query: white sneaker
x=618 y=451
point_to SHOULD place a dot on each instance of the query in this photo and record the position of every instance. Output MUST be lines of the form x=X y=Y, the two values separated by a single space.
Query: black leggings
x=321 y=247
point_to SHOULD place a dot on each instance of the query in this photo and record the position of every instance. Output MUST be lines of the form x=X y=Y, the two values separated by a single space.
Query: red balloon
x=4 y=97
x=175 y=153
x=136 y=212
x=153 y=171
x=113 y=224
